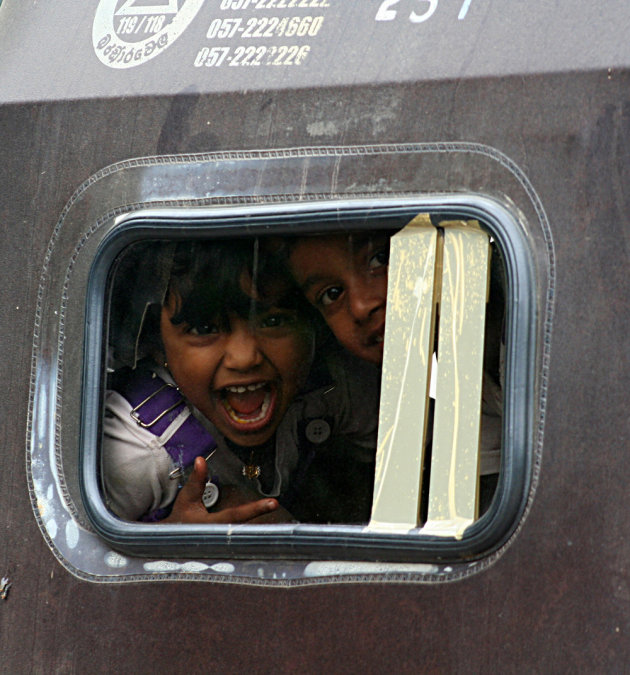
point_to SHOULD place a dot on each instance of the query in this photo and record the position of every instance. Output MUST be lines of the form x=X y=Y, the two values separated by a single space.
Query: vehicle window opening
x=263 y=356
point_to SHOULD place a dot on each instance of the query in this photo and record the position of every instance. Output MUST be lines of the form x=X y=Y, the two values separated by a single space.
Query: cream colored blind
x=437 y=278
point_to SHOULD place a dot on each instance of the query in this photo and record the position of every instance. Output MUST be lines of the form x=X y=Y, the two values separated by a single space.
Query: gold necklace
x=251 y=470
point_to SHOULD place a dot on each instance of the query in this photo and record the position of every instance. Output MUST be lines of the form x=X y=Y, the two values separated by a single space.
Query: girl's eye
x=276 y=320
x=379 y=259
x=203 y=329
x=330 y=295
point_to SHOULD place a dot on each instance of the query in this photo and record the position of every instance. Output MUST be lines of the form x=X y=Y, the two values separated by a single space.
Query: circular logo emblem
x=127 y=33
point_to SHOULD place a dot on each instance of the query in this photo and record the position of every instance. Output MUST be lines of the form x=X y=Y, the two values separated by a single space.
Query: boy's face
x=345 y=278
x=242 y=376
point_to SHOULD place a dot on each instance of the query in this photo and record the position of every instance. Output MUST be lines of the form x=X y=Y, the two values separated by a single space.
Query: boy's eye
x=330 y=295
x=379 y=259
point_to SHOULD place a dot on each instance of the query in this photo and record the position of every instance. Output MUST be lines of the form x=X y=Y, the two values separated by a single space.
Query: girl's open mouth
x=248 y=407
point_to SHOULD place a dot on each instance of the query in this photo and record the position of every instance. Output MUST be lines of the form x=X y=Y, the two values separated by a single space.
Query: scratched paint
x=115 y=560
x=339 y=568
x=72 y=534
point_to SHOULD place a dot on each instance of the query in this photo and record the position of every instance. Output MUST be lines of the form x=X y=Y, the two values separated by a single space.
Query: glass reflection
x=244 y=379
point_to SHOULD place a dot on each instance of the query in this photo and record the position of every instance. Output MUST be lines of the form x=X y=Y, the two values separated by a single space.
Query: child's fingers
x=193 y=490
x=189 y=508
x=200 y=470
x=245 y=512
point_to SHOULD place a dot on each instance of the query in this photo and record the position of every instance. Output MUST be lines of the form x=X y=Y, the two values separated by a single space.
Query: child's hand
x=232 y=495
x=189 y=508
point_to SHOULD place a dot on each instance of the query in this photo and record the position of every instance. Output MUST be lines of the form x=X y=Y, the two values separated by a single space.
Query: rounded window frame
x=308 y=541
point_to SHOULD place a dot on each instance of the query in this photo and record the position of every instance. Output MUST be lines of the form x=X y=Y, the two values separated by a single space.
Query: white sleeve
x=135 y=465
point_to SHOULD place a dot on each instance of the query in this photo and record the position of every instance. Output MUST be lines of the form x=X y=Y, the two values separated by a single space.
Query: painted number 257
x=384 y=12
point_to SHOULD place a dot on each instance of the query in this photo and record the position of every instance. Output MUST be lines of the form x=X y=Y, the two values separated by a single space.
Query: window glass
x=346 y=376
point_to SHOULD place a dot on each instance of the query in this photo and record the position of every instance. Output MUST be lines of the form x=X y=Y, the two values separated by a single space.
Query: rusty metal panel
x=118 y=48
x=564 y=122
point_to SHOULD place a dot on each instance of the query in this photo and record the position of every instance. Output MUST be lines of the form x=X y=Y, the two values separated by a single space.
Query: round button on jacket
x=210 y=495
x=317 y=431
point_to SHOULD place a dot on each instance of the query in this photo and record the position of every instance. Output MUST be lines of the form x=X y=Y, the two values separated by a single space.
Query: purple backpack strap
x=155 y=406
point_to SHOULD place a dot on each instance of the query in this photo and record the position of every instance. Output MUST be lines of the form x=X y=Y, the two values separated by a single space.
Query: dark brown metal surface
x=557 y=600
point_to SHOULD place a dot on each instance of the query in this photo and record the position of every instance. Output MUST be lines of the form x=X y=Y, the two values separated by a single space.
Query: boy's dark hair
x=285 y=245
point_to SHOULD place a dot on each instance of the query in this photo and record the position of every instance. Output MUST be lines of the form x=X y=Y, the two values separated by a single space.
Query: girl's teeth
x=243 y=389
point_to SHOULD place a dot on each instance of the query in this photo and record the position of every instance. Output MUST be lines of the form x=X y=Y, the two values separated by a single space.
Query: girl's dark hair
x=212 y=279
x=207 y=280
